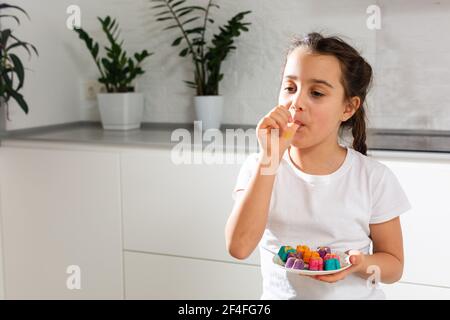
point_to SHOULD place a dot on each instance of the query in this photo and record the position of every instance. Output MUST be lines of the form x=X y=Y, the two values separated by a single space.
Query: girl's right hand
x=273 y=142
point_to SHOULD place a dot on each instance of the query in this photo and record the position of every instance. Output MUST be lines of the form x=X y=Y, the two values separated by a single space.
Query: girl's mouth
x=300 y=124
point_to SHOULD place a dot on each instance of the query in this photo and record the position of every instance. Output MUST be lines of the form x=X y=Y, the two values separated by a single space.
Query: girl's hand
x=357 y=260
x=273 y=144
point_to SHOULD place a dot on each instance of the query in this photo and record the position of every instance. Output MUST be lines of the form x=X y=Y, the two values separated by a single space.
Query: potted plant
x=12 y=73
x=207 y=60
x=121 y=108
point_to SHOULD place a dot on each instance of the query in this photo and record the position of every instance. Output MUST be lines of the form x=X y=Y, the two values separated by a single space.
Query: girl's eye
x=288 y=89
x=317 y=94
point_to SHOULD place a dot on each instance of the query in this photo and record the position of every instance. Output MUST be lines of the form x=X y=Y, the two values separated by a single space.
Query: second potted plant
x=121 y=108
x=207 y=60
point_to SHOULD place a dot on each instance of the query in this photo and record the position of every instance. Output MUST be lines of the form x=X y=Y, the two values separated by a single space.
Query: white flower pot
x=209 y=110
x=121 y=111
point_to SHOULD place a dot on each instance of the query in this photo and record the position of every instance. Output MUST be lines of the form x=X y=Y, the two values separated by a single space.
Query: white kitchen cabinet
x=61 y=207
x=177 y=209
x=149 y=276
x=408 y=291
x=426 y=181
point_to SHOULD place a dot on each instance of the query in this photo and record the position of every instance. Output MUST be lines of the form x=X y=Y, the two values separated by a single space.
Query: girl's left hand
x=356 y=259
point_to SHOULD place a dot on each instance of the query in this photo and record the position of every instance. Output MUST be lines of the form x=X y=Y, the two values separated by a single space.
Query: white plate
x=343 y=257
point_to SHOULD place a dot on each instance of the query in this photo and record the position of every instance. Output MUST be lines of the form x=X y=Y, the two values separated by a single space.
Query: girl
x=322 y=193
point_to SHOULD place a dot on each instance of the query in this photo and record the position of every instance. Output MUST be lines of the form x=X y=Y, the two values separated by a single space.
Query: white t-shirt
x=332 y=210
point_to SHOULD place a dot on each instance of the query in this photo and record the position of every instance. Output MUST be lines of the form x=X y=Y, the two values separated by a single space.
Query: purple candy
x=297 y=255
x=290 y=262
x=298 y=264
x=323 y=251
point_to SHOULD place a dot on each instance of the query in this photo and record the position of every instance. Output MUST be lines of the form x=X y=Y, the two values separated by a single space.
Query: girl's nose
x=296 y=106
x=297 y=103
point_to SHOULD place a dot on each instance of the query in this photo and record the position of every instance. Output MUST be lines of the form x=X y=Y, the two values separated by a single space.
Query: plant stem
x=197 y=69
x=203 y=40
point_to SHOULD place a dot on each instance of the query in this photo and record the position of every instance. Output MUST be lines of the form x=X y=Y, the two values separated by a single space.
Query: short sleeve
x=389 y=200
x=245 y=173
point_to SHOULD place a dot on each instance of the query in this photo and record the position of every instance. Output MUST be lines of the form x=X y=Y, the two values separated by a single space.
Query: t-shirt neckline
x=321 y=179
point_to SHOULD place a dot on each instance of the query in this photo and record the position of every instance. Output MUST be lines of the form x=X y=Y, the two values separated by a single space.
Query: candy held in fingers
x=287 y=134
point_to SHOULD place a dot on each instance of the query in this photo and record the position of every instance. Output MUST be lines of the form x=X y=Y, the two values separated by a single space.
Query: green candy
x=284 y=251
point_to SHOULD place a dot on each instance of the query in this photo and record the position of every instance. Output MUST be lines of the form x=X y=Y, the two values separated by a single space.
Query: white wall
x=407 y=54
x=50 y=83
x=252 y=73
x=413 y=58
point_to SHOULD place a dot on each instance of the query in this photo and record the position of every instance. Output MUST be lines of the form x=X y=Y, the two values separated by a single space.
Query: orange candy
x=302 y=249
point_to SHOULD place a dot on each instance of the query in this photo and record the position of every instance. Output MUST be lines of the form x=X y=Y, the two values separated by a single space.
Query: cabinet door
x=61 y=208
x=177 y=209
x=425 y=226
x=407 y=291
x=149 y=276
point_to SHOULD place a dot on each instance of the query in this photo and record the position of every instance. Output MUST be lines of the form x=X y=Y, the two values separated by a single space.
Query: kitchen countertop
x=159 y=134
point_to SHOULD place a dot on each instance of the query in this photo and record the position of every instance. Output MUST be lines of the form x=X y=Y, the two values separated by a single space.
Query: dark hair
x=356 y=78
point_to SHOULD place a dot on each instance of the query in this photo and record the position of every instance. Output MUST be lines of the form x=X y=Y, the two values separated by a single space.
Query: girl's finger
x=283 y=113
x=286 y=112
x=269 y=123
x=280 y=119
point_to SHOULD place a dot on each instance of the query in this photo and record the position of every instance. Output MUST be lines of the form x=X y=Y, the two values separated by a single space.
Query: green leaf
x=10 y=16
x=165 y=18
x=190 y=20
x=185 y=12
x=184 y=52
x=162 y=13
x=159 y=6
x=195 y=30
x=8 y=6
x=20 y=100
x=178 y=3
x=18 y=68
x=171 y=27
x=177 y=41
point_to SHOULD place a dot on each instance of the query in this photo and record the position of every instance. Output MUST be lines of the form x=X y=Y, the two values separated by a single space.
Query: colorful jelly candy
x=303 y=258
x=323 y=251
x=290 y=262
x=297 y=255
x=298 y=264
x=302 y=249
x=284 y=252
x=307 y=255
x=315 y=264
x=331 y=256
x=332 y=264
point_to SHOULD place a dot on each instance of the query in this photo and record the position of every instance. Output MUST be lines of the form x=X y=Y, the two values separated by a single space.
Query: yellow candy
x=287 y=135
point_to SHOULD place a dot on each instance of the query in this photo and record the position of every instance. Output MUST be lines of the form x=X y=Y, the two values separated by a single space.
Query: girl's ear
x=350 y=108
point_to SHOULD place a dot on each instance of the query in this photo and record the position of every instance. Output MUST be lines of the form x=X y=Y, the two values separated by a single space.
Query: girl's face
x=312 y=88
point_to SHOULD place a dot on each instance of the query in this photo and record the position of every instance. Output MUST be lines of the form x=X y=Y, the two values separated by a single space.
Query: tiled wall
x=408 y=55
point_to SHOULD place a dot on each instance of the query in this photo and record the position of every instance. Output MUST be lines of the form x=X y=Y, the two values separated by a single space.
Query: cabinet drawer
x=425 y=226
x=177 y=209
x=149 y=276
x=61 y=208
